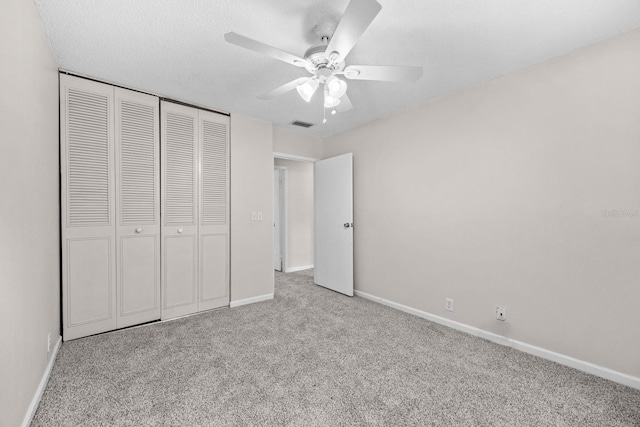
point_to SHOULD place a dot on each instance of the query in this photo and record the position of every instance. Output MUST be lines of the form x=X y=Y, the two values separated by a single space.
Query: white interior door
x=277 y=250
x=333 y=219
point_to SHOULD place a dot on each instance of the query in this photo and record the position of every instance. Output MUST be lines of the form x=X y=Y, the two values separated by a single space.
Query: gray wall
x=29 y=207
x=251 y=191
x=296 y=143
x=495 y=196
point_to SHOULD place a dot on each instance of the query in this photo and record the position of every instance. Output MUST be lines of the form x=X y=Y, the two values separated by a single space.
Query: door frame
x=283 y=203
x=282 y=215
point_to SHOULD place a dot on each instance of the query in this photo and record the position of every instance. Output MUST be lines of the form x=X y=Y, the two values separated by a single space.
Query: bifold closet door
x=87 y=208
x=195 y=216
x=180 y=211
x=213 y=231
x=137 y=152
x=110 y=207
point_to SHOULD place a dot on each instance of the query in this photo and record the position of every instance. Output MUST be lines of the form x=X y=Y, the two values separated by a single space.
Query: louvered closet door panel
x=179 y=130
x=137 y=151
x=214 y=211
x=87 y=204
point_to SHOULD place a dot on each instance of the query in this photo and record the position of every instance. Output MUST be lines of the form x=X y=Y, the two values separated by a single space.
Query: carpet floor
x=312 y=357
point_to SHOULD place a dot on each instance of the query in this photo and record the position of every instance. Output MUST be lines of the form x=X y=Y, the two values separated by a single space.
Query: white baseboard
x=303 y=267
x=33 y=407
x=251 y=300
x=562 y=359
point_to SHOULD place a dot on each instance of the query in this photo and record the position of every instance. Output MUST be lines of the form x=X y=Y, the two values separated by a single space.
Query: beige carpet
x=312 y=357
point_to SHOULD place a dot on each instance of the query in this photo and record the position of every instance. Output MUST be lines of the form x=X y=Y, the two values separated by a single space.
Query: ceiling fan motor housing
x=316 y=55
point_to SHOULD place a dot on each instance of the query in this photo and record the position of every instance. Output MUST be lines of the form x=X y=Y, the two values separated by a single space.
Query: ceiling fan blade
x=256 y=46
x=387 y=73
x=357 y=17
x=281 y=90
x=345 y=104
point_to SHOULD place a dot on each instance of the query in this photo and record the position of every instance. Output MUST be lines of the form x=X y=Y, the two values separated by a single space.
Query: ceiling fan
x=325 y=61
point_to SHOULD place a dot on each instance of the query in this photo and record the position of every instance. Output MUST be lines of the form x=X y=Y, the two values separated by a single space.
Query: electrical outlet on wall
x=448 y=304
x=501 y=313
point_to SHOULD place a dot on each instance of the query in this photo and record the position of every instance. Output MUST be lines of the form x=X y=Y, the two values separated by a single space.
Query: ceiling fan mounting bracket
x=324 y=30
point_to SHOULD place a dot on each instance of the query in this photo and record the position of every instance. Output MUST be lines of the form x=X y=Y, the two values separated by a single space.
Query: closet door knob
x=139 y=230
x=180 y=230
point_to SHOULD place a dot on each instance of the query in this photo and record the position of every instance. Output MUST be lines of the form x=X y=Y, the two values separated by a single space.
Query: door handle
x=347 y=225
x=180 y=230
x=138 y=230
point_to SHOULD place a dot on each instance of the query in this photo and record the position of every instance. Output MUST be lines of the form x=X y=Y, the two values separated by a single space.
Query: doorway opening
x=322 y=219
x=293 y=237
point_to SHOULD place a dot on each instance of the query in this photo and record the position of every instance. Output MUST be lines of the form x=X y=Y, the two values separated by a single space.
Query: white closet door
x=137 y=151
x=180 y=211
x=214 y=211
x=88 y=220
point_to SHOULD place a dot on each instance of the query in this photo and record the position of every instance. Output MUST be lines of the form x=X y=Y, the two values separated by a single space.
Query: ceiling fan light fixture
x=336 y=87
x=307 y=89
x=330 y=101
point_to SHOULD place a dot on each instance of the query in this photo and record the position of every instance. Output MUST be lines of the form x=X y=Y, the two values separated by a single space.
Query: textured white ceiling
x=176 y=49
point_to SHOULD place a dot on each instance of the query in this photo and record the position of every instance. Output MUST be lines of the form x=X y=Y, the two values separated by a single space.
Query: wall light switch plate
x=254 y=216
x=260 y=216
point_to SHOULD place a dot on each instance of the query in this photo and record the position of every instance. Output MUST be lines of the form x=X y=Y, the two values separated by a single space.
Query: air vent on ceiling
x=301 y=124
